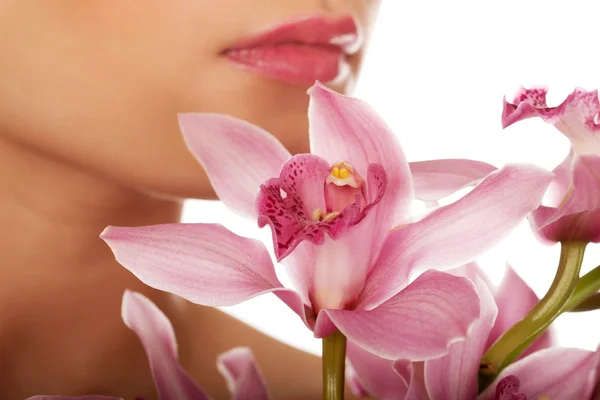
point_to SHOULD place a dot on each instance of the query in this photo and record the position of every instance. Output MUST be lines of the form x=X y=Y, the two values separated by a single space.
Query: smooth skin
x=89 y=96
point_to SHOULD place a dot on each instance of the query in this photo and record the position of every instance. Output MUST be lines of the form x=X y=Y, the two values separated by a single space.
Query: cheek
x=97 y=84
x=100 y=85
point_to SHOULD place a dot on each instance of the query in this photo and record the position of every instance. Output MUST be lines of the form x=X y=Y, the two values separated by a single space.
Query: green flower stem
x=588 y=285
x=589 y=304
x=514 y=341
x=334 y=366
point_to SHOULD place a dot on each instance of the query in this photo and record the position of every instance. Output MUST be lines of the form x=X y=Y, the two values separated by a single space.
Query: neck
x=60 y=287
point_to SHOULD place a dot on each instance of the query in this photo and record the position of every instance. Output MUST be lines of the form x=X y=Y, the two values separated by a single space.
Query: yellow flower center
x=320 y=215
x=342 y=174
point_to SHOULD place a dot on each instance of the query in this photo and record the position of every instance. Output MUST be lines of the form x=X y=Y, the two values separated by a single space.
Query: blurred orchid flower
x=554 y=373
x=334 y=216
x=573 y=211
x=172 y=382
x=557 y=373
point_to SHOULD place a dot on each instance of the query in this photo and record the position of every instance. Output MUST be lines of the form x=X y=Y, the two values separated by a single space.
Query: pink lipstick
x=300 y=52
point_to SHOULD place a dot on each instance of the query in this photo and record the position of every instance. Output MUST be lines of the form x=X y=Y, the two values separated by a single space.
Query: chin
x=161 y=164
x=184 y=178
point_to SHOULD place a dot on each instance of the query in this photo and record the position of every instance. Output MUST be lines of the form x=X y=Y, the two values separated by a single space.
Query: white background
x=437 y=72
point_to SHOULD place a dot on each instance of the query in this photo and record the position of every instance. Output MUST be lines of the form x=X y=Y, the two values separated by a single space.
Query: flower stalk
x=510 y=345
x=586 y=292
x=334 y=366
x=589 y=304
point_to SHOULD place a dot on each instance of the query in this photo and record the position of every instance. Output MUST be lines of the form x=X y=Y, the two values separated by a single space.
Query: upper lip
x=342 y=33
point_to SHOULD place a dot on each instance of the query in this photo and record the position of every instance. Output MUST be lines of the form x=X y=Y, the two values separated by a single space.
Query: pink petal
x=576 y=117
x=557 y=373
x=579 y=217
x=436 y=179
x=528 y=103
x=585 y=182
x=561 y=183
x=203 y=263
x=347 y=129
x=303 y=179
x=582 y=226
x=299 y=266
x=158 y=338
x=244 y=379
x=474 y=272
x=377 y=375
x=458 y=233
x=413 y=375
x=419 y=323
x=354 y=382
x=377 y=190
x=508 y=389
x=515 y=299
x=237 y=156
x=454 y=376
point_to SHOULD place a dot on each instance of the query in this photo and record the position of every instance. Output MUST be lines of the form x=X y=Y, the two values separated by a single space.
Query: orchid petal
x=474 y=272
x=576 y=117
x=203 y=263
x=557 y=373
x=528 y=103
x=581 y=226
x=458 y=233
x=354 y=382
x=324 y=326
x=419 y=323
x=238 y=160
x=578 y=217
x=515 y=299
x=158 y=338
x=244 y=379
x=304 y=177
x=436 y=179
x=347 y=129
x=376 y=374
x=561 y=183
x=299 y=266
x=508 y=389
x=453 y=376
x=413 y=375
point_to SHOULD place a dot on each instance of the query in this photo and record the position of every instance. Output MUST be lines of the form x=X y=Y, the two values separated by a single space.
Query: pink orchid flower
x=237 y=365
x=573 y=212
x=334 y=216
x=557 y=373
x=554 y=373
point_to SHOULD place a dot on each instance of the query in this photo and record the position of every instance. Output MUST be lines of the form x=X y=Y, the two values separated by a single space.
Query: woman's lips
x=294 y=63
x=300 y=52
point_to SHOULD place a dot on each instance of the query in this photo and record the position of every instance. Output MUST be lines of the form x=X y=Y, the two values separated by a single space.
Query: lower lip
x=293 y=63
